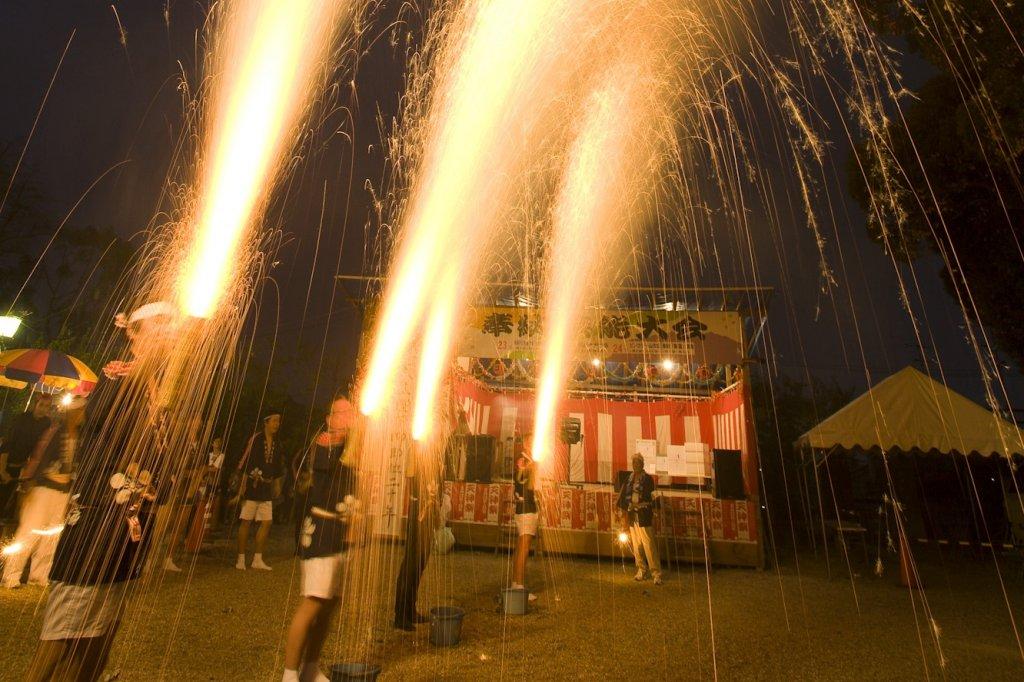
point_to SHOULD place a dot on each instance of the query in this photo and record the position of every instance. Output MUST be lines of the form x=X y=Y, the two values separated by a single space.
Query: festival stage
x=689 y=414
x=578 y=504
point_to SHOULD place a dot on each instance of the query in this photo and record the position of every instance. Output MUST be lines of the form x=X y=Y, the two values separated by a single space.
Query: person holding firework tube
x=332 y=508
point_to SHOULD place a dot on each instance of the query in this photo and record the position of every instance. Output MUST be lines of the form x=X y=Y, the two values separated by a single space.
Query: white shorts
x=526 y=524
x=321 y=576
x=257 y=511
x=81 y=611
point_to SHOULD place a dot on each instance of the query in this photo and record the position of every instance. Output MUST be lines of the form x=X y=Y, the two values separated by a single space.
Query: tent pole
x=821 y=516
x=805 y=497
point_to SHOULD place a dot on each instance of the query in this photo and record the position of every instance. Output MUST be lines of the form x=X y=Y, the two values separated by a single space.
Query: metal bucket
x=354 y=672
x=515 y=600
x=446 y=625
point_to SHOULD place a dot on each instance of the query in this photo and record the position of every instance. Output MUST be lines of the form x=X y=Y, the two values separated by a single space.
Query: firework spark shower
x=494 y=73
x=264 y=62
x=573 y=134
x=585 y=233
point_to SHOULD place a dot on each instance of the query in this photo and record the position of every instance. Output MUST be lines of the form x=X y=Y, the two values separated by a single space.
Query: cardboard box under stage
x=581 y=520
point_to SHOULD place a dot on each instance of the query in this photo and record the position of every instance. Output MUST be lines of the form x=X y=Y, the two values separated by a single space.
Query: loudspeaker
x=479 y=456
x=572 y=431
x=621 y=479
x=728 y=475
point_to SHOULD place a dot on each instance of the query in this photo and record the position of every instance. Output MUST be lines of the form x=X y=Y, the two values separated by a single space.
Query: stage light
x=596 y=362
x=623 y=537
x=9 y=325
x=668 y=365
x=66 y=399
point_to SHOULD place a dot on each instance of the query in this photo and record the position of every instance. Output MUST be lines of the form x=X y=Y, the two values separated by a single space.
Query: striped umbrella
x=47 y=370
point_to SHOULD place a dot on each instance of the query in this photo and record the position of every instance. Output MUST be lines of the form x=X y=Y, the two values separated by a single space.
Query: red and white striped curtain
x=611 y=427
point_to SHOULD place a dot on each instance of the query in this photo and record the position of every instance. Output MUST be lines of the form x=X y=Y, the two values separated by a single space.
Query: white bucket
x=515 y=600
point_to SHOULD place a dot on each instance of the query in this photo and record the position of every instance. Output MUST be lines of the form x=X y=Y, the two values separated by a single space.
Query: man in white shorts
x=322 y=543
x=261 y=483
x=526 y=514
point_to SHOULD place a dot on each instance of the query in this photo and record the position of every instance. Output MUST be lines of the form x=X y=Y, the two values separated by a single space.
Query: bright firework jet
x=500 y=61
x=435 y=347
x=589 y=207
x=263 y=66
x=604 y=190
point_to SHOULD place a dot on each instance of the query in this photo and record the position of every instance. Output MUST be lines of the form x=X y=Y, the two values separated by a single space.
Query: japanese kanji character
x=527 y=326
x=498 y=324
x=689 y=329
x=652 y=325
x=615 y=327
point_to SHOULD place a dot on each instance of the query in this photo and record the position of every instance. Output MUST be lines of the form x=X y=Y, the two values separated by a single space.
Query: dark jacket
x=53 y=457
x=643 y=511
x=121 y=457
x=22 y=437
x=332 y=481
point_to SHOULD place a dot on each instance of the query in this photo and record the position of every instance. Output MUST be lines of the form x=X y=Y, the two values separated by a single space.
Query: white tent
x=908 y=411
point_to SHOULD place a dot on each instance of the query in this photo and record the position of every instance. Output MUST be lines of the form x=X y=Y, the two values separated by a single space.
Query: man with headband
x=103 y=546
x=262 y=469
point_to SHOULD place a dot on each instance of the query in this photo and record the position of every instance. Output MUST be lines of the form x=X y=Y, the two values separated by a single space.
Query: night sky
x=112 y=103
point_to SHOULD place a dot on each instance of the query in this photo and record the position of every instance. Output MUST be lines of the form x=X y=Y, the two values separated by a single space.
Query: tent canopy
x=910 y=410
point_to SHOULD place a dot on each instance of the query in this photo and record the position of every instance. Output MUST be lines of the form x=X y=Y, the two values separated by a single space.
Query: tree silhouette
x=958 y=149
x=57 y=281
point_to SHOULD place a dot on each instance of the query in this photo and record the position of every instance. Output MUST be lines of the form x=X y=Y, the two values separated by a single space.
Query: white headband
x=143 y=312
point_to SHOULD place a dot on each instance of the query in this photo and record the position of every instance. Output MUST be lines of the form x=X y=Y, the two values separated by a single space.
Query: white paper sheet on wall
x=675 y=461
x=648 y=447
x=695 y=458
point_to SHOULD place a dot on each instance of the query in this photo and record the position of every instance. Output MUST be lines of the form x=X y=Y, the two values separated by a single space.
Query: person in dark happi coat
x=104 y=544
x=332 y=506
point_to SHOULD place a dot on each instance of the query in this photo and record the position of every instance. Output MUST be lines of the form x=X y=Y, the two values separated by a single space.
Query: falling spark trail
x=35 y=124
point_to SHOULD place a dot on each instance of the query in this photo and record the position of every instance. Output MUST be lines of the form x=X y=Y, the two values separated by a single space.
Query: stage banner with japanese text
x=685 y=336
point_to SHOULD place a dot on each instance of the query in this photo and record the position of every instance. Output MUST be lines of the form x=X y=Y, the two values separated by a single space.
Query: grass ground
x=591 y=621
